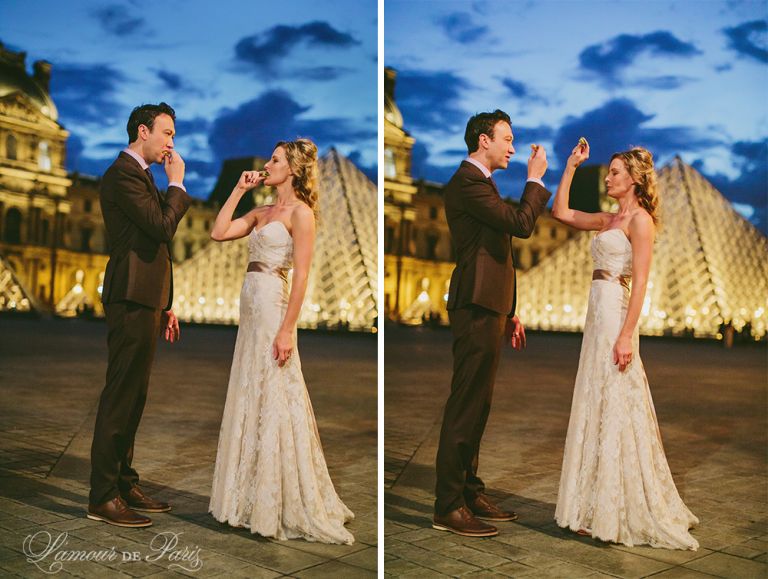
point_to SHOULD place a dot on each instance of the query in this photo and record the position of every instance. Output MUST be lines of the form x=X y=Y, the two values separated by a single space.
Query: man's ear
x=482 y=141
x=143 y=131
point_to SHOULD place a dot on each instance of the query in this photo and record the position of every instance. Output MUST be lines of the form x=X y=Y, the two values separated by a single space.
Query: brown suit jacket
x=482 y=225
x=140 y=225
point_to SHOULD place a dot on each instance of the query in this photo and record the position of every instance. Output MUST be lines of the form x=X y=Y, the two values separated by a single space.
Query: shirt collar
x=480 y=166
x=139 y=159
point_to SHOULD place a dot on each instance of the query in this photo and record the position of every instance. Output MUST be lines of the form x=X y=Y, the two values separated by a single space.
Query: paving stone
x=711 y=408
x=367 y=559
x=514 y=569
x=398 y=567
x=474 y=557
x=681 y=573
x=336 y=569
x=674 y=557
x=46 y=431
x=744 y=551
x=250 y=572
x=723 y=565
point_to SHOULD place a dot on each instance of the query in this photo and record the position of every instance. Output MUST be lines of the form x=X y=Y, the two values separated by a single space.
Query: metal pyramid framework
x=710 y=266
x=342 y=286
x=13 y=296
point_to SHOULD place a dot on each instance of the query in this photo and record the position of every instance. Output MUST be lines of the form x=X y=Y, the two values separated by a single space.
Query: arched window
x=10 y=147
x=12 y=228
x=44 y=156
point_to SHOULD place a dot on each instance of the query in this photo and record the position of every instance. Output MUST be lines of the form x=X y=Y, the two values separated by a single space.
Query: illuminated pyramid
x=77 y=301
x=710 y=266
x=13 y=296
x=342 y=286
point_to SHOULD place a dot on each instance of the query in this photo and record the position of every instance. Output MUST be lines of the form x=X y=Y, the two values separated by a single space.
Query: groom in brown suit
x=137 y=297
x=481 y=304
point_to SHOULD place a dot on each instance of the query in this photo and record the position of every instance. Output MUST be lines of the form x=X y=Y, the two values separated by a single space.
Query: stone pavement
x=711 y=404
x=51 y=375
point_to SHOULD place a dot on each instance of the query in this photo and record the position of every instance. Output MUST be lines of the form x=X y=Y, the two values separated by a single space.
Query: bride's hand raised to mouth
x=249 y=180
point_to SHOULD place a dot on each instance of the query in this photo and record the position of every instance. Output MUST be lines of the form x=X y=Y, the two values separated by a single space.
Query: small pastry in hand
x=583 y=142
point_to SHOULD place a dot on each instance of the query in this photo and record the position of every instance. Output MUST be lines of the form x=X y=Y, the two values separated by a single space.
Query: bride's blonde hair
x=301 y=155
x=639 y=164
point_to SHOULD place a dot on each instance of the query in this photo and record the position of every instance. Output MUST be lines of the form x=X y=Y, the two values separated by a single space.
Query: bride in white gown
x=270 y=474
x=615 y=483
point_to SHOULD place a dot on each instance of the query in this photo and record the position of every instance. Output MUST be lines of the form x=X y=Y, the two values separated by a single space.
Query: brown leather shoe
x=116 y=512
x=462 y=522
x=138 y=501
x=483 y=508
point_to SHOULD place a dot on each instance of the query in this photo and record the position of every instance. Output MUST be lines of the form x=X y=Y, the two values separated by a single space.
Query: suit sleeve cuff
x=177 y=184
x=535 y=180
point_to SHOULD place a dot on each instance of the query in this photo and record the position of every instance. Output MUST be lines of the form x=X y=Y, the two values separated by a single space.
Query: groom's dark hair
x=145 y=115
x=482 y=124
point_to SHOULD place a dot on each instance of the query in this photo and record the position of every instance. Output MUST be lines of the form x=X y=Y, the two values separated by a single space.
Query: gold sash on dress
x=281 y=272
x=606 y=275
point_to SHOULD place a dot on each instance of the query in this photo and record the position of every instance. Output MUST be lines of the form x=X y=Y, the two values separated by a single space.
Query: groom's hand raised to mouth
x=174 y=167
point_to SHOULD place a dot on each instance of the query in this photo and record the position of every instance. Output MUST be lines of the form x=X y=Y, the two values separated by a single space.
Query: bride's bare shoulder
x=641 y=217
x=641 y=223
x=302 y=213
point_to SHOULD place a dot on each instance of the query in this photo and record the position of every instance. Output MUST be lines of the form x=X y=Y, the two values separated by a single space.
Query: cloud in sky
x=663 y=82
x=609 y=60
x=87 y=93
x=265 y=49
x=320 y=73
x=119 y=20
x=170 y=79
x=459 y=27
x=422 y=168
x=177 y=83
x=750 y=186
x=194 y=126
x=517 y=88
x=526 y=136
x=619 y=124
x=522 y=91
x=749 y=39
x=255 y=126
x=429 y=100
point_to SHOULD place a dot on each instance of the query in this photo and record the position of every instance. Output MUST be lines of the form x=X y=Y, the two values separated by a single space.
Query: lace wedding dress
x=270 y=475
x=615 y=482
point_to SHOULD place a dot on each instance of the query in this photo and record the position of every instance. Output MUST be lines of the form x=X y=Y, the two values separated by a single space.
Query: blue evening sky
x=240 y=74
x=681 y=78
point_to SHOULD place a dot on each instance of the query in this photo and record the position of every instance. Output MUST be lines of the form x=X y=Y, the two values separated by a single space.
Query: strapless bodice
x=612 y=251
x=272 y=245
